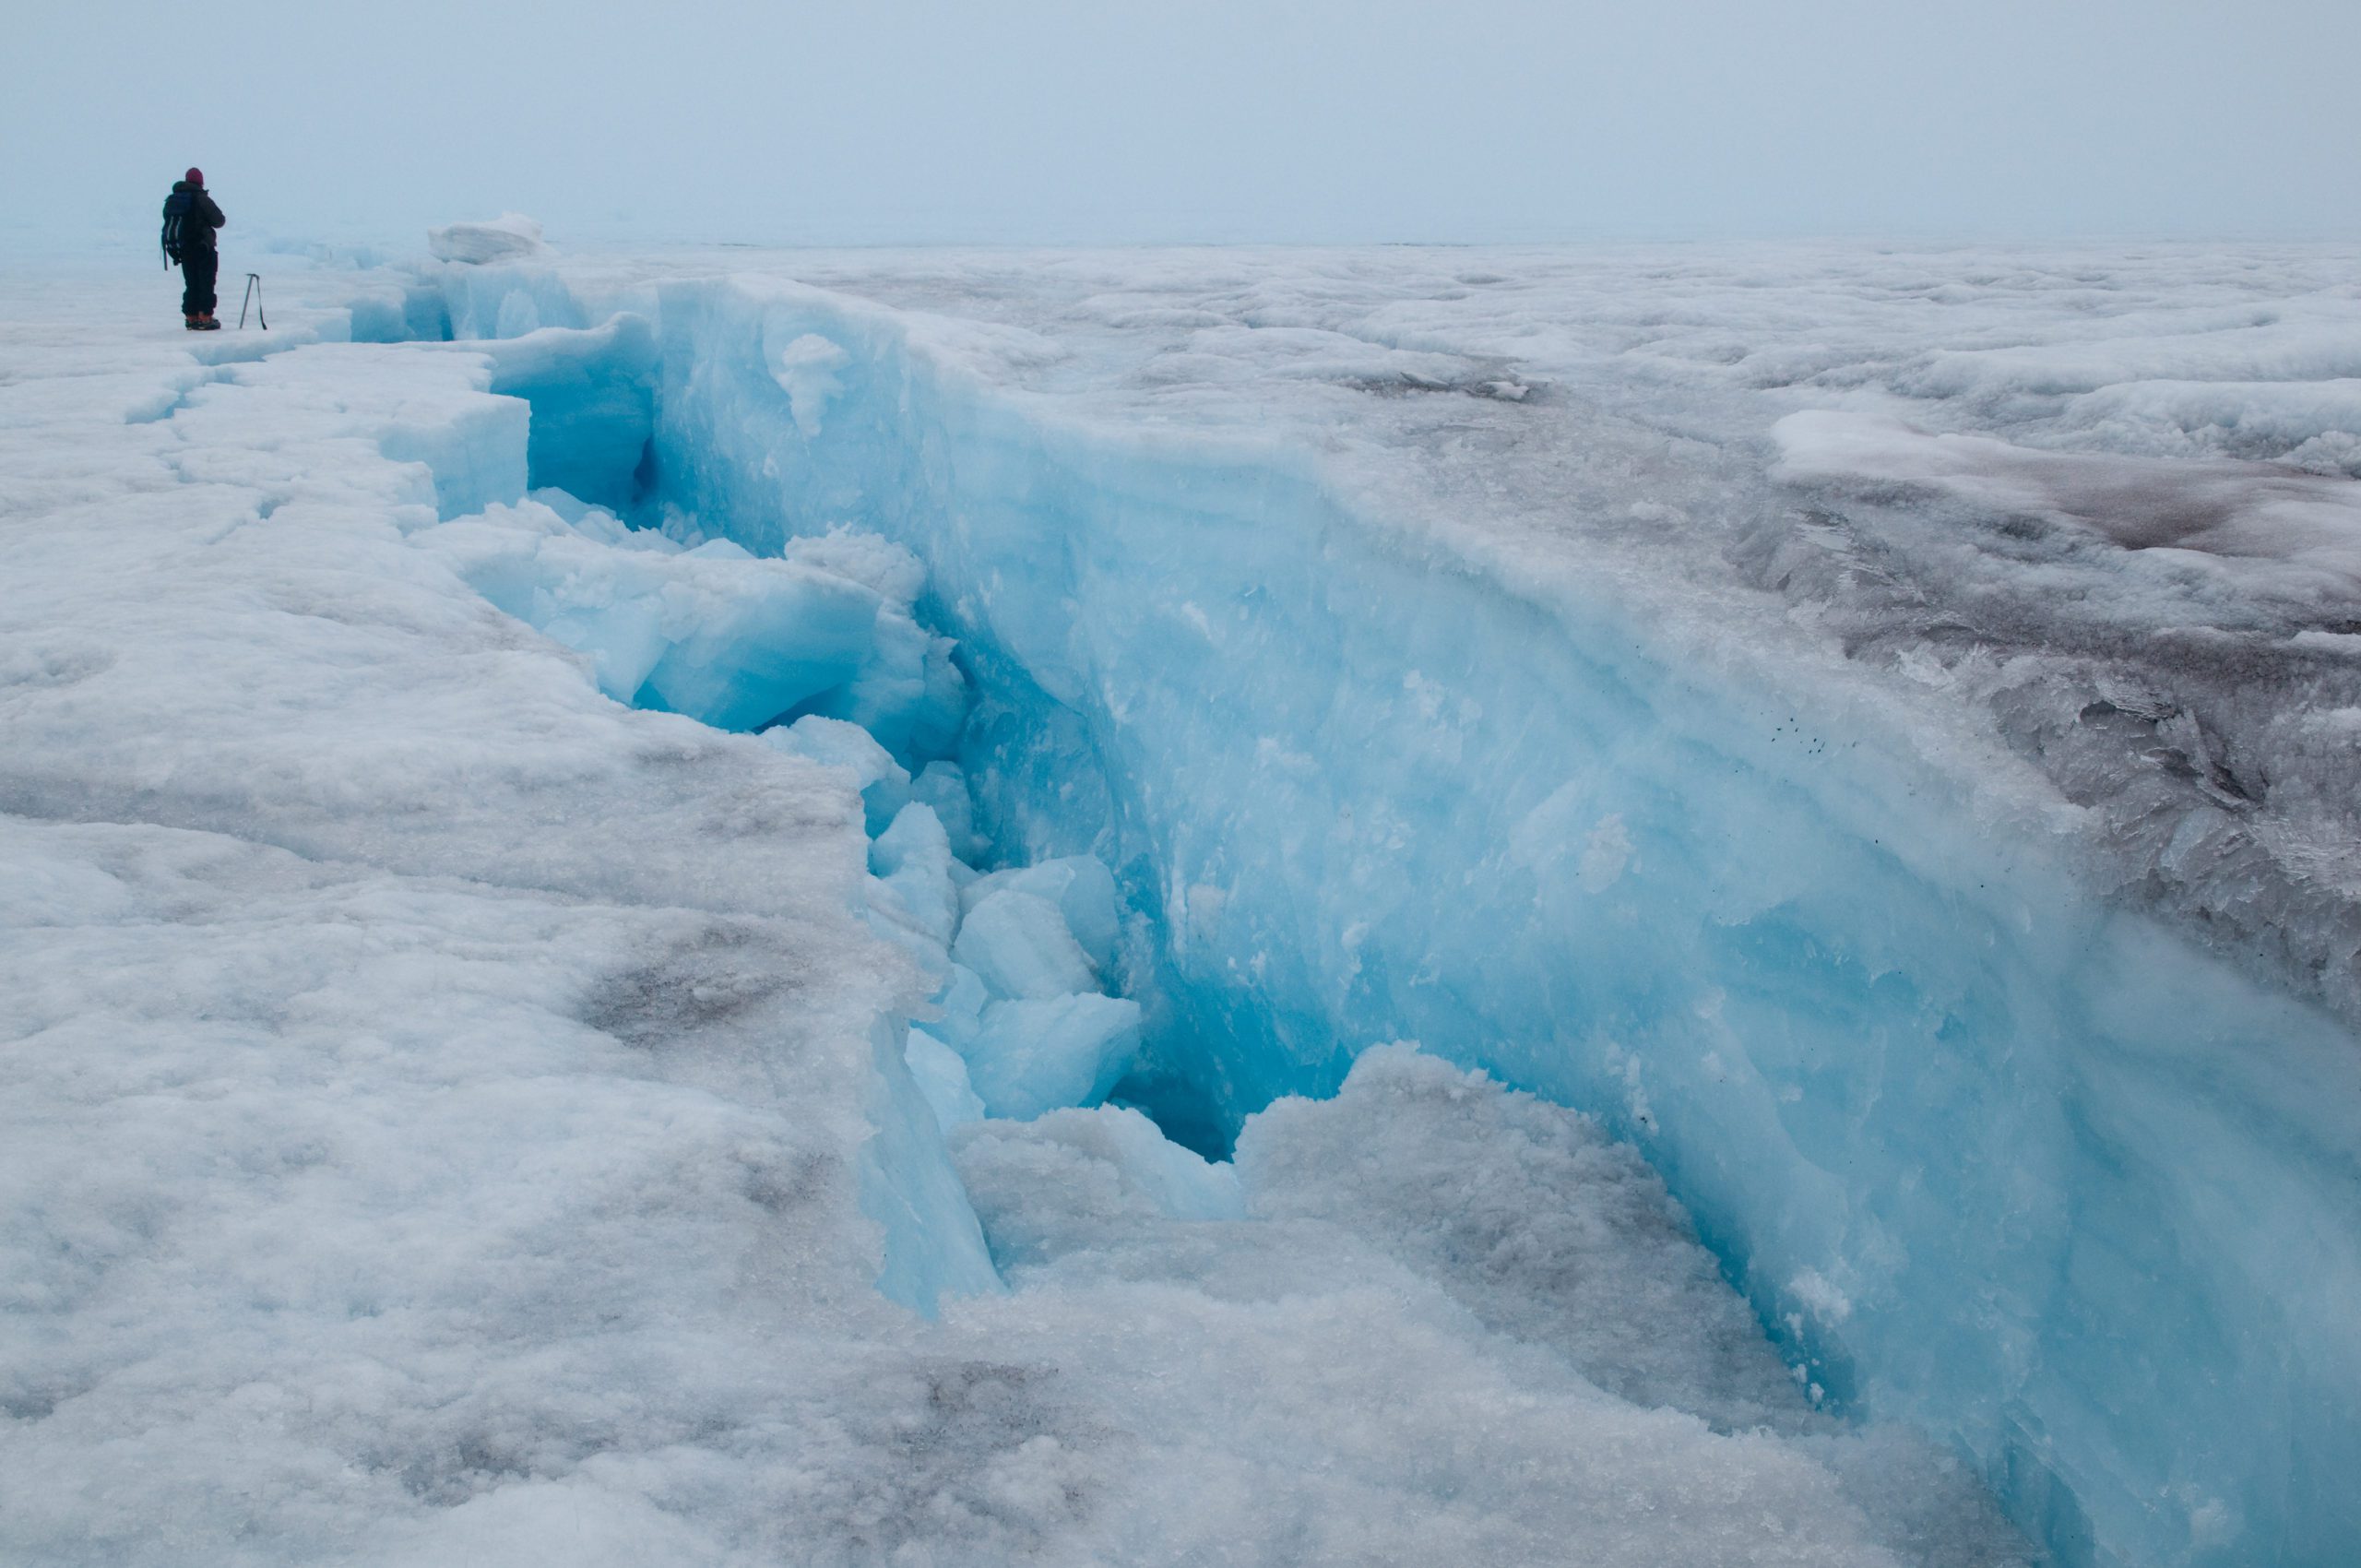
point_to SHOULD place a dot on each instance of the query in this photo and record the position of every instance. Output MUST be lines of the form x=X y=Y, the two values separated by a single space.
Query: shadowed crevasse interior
x=1931 y=1106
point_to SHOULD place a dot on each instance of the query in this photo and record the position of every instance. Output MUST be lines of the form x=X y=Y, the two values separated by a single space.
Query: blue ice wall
x=1988 y=1155
x=592 y=391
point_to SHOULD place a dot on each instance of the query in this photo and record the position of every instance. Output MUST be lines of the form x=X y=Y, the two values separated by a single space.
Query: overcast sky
x=1067 y=121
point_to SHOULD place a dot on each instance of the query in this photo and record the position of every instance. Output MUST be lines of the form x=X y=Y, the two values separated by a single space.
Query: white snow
x=1873 y=729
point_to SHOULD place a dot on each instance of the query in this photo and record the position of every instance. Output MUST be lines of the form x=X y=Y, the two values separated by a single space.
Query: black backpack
x=177 y=207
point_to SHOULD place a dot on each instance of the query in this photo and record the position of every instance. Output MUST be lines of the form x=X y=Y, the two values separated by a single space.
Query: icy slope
x=450 y=1116
x=1997 y=1154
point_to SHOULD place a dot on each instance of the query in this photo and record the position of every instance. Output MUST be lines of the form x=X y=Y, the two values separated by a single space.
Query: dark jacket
x=199 y=216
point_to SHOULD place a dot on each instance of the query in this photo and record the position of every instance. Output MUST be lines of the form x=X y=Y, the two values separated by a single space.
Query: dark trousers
x=199 y=268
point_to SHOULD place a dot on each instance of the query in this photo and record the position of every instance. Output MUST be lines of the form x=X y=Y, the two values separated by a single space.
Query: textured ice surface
x=708 y=632
x=1433 y=647
x=509 y=237
x=500 y=1145
x=1017 y=942
x=2182 y=699
x=1538 y=1224
x=884 y=784
x=1078 y=885
x=912 y=860
x=1038 y=1053
x=1443 y=1240
x=943 y=1078
x=943 y=787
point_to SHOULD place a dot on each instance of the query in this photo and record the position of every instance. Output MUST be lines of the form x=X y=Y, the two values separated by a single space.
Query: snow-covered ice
x=508 y=237
x=634 y=906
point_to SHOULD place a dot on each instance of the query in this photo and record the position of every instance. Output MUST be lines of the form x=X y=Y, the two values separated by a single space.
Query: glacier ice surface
x=509 y=237
x=884 y=784
x=1790 y=824
x=1019 y=943
x=1685 y=823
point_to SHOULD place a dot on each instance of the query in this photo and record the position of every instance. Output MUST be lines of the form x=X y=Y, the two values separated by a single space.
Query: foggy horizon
x=1309 y=123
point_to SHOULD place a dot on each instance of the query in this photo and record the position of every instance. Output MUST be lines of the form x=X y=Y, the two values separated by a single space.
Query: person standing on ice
x=190 y=219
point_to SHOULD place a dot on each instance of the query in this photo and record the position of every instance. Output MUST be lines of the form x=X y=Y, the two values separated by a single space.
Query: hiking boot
x=196 y=323
x=206 y=324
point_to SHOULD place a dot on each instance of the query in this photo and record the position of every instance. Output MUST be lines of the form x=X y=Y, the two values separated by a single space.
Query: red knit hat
x=195 y=177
